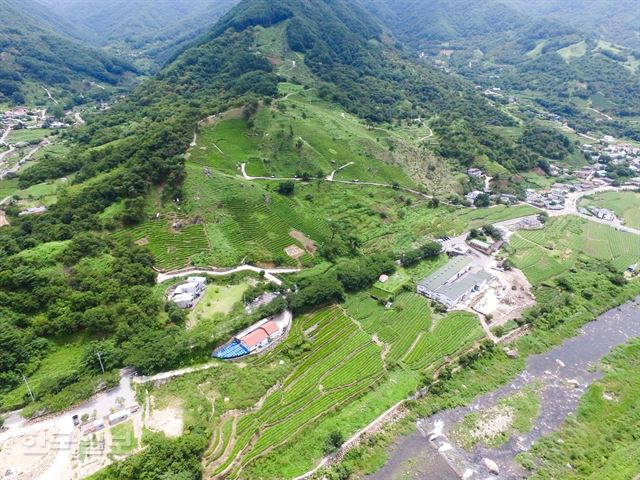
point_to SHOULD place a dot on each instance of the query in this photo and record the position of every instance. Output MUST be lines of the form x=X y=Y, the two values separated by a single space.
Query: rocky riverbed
x=561 y=376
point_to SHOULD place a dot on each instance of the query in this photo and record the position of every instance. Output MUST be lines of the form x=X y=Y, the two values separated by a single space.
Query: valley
x=307 y=239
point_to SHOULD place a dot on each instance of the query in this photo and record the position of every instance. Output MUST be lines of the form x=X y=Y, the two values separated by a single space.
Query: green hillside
x=562 y=68
x=293 y=133
x=32 y=51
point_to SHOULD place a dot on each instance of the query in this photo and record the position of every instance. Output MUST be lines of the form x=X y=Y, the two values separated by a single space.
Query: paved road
x=7 y=153
x=24 y=159
x=269 y=273
x=333 y=174
x=103 y=405
x=571 y=208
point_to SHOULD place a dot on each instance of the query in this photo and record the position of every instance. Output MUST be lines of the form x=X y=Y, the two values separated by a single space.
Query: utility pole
x=28 y=387
x=100 y=360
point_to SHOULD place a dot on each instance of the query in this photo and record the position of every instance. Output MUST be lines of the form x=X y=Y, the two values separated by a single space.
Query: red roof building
x=261 y=336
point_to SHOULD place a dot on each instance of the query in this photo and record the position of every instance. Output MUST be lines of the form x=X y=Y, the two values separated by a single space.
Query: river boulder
x=492 y=466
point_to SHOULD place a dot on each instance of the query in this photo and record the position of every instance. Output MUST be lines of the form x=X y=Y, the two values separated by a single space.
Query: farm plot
x=451 y=335
x=399 y=326
x=171 y=250
x=626 y=205
x=246 y=219
x=544 y=254
x=342 y=364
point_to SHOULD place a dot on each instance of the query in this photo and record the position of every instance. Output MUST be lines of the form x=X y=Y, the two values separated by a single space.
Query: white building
x=453 y=283
x=184 y=300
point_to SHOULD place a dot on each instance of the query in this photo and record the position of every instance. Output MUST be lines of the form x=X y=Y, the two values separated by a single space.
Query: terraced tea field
x=626 y=205
x=544 y=254
x=342 y=363
x=171 y=249
x=351 y=357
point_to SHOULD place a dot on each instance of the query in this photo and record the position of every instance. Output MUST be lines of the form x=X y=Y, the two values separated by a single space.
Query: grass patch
x=123 y=438
x=32 y=135
x=388 y=290
x=494 y=427
x=218 y=299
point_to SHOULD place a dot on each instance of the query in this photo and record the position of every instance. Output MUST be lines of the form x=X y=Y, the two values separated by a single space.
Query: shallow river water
x=563 y=374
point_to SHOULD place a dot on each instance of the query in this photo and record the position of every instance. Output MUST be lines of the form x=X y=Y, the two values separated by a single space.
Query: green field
x=33 y=135
x=626 y=205
x=545 y=254
x=389 y=289
x=576 y=50
x=217 y=299
x=123 y=438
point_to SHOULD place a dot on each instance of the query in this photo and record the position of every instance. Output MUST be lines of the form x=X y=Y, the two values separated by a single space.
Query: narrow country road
x=269 y=273
x=7 y=153
x=333 y=174
x=608 y=117
x=50 y=96
x=426 y=137
x=571 y=208
x=5 y=135
x=79 y=119
x=24 y=159
x=243 y=170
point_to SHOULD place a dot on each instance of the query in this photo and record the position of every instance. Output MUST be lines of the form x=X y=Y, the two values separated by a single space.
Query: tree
x=287 y=188
x=482 y=201
x=57 y=111
x=334 y=442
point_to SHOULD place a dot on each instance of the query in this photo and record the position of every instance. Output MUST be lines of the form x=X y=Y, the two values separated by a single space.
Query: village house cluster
x=553 y=198
x=21 y=118
x=613 y=163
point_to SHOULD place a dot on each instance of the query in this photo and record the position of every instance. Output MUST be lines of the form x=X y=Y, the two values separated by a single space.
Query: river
x=562 y=374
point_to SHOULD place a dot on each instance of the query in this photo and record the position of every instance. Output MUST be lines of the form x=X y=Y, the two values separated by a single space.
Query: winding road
x=269 y=273
x=5 y=135
x=243 y=170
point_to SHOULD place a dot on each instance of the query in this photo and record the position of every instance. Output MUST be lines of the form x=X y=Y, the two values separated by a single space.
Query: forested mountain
x=615 y=20
x=417 y=21
x=562 y=67
x=155 y=28
x=333 y=51
x=32 y=50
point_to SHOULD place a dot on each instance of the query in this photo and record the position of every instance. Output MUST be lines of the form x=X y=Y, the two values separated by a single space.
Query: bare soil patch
x=3 y=219
x=294 y=251
x=309 y=245
x=143 y=241
x=168 y=420
x=29 y=456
